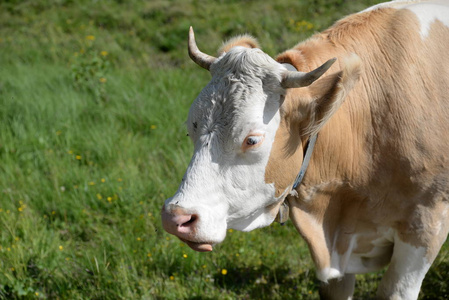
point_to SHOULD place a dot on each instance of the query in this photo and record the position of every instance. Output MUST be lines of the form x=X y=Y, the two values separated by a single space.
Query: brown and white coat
x=376 y=190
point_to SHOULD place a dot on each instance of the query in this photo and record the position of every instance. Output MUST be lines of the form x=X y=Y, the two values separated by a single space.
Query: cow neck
x=305 y=163
x=283 y=213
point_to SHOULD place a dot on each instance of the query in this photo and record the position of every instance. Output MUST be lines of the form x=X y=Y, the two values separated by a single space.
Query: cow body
x=376 y=190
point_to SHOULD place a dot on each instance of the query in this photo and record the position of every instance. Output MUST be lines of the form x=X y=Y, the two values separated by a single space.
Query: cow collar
x=283 y=213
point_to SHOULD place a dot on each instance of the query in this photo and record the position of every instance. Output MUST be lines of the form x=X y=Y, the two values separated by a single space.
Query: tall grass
x=85 y=164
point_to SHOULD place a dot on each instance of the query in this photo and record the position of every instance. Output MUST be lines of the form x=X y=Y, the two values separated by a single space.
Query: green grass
x=85 y=165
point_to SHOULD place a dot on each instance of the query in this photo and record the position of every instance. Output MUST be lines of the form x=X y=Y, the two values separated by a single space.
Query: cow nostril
x=192 y=220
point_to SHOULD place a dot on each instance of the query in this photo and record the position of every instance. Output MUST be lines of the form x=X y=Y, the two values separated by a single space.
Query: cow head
x=233 y=125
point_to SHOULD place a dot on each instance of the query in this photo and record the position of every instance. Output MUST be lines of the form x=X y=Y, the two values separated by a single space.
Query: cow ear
x=241 y=40
x=329 y=93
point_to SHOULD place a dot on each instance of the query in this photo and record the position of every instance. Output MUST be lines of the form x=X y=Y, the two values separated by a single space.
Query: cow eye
x=252 y=141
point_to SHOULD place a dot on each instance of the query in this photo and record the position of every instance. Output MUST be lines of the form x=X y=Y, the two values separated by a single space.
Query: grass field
x=93 y=99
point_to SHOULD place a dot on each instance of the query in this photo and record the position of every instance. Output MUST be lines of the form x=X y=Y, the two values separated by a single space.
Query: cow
x=365 y=104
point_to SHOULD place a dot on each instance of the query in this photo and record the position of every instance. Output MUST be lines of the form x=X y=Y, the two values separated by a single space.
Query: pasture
x=93 y=99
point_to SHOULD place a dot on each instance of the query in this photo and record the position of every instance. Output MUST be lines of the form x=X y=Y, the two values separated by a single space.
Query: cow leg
x=405 y=274
x=338 y=288
x=408 y=267
x=410 y=262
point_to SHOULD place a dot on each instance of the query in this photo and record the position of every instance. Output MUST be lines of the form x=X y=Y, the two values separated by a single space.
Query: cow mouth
x=200 y=247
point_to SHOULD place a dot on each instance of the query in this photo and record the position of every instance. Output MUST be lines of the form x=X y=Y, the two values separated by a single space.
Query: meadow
x=93 y=99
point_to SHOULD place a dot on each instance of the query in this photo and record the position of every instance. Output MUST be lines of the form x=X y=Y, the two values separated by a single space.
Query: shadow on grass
x=264 y=282
x=436 y=284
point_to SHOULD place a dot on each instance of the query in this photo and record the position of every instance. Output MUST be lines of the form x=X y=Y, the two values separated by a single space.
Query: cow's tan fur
x=241 y=40
x=377 y=187
x=381 y=160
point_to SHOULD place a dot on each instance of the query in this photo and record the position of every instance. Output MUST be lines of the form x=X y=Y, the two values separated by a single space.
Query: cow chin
x=200 y=247
x=262 y=218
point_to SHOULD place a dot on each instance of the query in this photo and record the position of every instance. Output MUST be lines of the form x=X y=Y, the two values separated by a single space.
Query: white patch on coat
x=391 y=4
x=327 y=274
x=404 y=276
x=338 y=261
x=376 y=258
x=429 y=13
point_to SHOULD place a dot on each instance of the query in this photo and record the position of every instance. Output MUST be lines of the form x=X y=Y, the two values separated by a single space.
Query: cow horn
x=200 y=58
x=294 y=79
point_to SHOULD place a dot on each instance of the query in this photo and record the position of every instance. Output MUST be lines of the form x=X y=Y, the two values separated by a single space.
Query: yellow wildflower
x=103 y=80
x=139 y=239
x=91 y=183
x=103 y=180
x=60 y=248
x=224 y=271
x=109 y=199
x=78 y=157
x=90 y=38
x=153 y=126
x=70 y=152
x=119 y=180
x=172 y=277
x=184 y=255
x=103 y=53
x=99 y=197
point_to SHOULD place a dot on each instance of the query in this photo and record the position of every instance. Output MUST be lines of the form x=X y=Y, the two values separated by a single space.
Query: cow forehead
x=243 y=81
x=244 y=61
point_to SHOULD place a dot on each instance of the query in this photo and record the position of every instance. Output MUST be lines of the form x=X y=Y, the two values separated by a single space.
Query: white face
x=232 y=124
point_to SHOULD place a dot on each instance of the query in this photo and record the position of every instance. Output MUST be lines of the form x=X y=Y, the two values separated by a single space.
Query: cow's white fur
x=243 y=98
x=405 y=273
x=249 y=105
x=428 y=13
x=393 y=4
